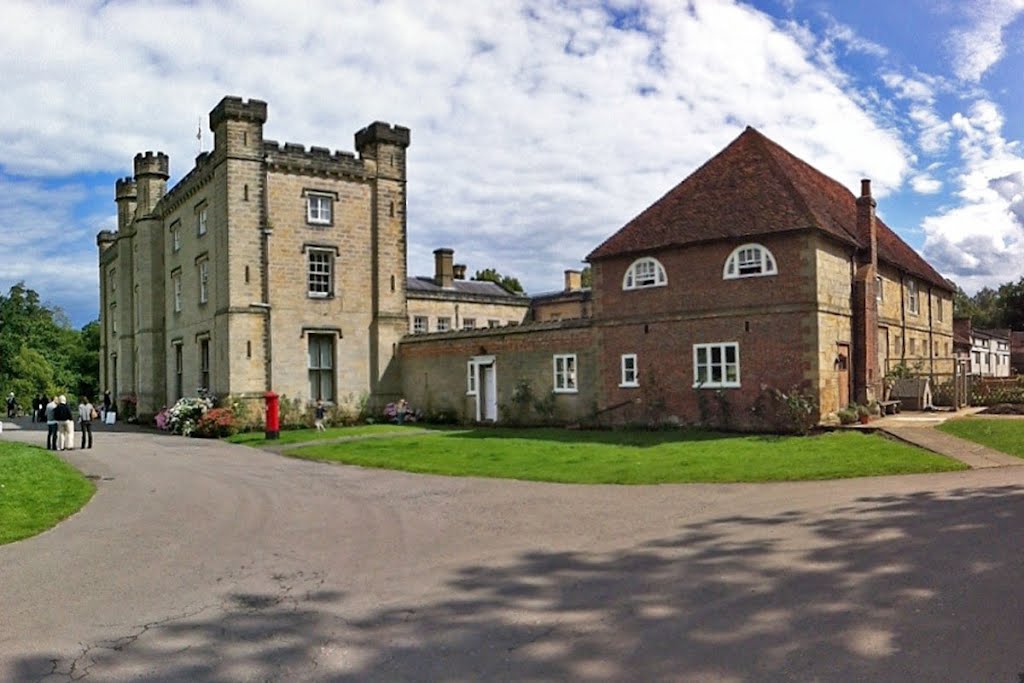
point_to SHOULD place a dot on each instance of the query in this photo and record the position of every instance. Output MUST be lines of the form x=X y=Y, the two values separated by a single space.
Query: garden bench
x=889 y=407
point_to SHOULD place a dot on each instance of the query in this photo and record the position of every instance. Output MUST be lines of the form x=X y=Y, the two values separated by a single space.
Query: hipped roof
x=755 y=187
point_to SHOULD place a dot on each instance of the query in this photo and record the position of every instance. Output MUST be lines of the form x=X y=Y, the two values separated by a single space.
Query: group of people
x=60 y=425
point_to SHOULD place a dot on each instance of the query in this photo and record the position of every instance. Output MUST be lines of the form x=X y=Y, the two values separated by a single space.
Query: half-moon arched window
x=645 y=272
x=749 y=260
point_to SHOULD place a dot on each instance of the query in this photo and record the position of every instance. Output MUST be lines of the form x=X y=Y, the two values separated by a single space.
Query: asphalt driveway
x=204 y=561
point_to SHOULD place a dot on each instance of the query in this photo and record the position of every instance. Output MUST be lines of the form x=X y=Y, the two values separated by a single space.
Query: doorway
x=843 y=373
x=486 y=382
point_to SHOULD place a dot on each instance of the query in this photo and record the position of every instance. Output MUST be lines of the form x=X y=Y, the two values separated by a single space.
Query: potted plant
x=847 y=416
x=864 y=413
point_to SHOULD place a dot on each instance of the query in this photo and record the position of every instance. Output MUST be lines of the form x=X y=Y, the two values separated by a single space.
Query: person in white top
x=86 y=414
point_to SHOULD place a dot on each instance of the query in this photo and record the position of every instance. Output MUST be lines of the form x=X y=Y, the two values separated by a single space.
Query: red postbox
x=273 y=429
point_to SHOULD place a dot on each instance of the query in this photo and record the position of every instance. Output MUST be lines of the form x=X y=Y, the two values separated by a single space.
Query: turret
x=385 y=144
x=151 y=173
x=105 y=239
x=237 y=127
x=125 y=195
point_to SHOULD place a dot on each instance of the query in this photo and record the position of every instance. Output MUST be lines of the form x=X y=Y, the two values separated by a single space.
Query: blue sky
x=539 y=127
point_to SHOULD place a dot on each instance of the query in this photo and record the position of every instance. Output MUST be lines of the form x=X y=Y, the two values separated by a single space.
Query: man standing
x=51 y=425
x=65 y=425
x=10 y=404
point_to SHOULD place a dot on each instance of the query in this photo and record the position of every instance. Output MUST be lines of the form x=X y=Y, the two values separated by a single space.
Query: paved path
x=920 y=429
x=203 y=561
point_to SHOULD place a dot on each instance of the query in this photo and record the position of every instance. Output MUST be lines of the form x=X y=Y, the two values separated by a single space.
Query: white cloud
x=980 y=242
x=924 y=183
x=538 y=128
x=977 y=47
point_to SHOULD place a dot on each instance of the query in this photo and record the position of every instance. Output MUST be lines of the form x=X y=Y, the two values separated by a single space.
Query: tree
x=507 y=281
x=587 y=277
x=1011 y=304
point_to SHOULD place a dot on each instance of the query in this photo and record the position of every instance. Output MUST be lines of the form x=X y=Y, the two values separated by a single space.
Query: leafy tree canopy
x=507 y=281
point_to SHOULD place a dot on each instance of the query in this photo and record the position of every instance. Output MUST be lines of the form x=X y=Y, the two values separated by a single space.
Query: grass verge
x=37 y=490
x=303 y=435
x=634 y=457
x=1005 y=435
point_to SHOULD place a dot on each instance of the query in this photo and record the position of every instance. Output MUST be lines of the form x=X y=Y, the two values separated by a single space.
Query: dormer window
x=645 y=272
x=749 y=260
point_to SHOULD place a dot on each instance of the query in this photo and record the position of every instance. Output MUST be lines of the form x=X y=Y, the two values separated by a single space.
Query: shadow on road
x=916 y=587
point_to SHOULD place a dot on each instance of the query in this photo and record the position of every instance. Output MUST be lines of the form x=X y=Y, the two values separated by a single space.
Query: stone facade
x=260 y=255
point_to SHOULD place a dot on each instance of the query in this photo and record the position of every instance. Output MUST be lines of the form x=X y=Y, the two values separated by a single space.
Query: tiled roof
x=750 y=188
x=423 y=283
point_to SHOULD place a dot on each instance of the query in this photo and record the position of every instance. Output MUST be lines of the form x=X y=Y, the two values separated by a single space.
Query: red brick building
x=756 y=273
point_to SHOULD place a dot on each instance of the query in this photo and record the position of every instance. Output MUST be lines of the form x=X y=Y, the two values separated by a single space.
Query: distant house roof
x=477 y=289
x=582 y=294
x=750 y=188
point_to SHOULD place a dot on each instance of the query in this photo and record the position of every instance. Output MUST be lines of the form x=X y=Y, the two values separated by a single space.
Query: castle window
x=204 y=279
x=444 y=324
x=644 y=272
x=939 y=308
x=629 y=376
x=113 y=279
x=113 y=319
x=321 y=267
x=419 y=324
x=201 y=215
x=321 y=366
x=204 y=364
x=468 y=323
x=749 y=260
x=565 y=373
x=318 y=209
x=471 y=378
x=493 y=323
x=716 y=365
x=176 y=286
x=176 y=236
x=912 y=298
x=179 y=367
x=879 y=291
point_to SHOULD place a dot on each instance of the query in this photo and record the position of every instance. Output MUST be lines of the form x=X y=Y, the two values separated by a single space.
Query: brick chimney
x=866 y=373
x=573 y=280
x=443 y=272
x=459 y=271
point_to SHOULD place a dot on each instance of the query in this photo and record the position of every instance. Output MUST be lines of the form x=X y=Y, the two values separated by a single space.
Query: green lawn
x=1006 y=435
x=633 y=457
x=37 y=490
x=303 y=435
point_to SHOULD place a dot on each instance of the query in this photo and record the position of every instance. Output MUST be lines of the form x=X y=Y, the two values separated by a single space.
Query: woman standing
x=65 y=425
x=86 y=414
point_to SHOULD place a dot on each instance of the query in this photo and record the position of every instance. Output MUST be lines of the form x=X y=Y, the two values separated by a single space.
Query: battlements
x=235 y=109
x=125 y=188
x=381 y=131
x=294 y=157
x=152 y=163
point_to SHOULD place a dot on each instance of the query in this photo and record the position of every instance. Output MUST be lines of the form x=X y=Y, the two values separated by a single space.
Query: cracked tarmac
x=203 y=561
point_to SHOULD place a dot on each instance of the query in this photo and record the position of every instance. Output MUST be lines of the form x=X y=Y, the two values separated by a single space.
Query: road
x=203 y=561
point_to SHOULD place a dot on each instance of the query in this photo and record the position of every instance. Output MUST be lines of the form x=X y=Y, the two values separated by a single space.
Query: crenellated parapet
x=125 y=188
x=382 y=132
x=235 y=109
x=152 y=164
x=295 y=158
x=195 y=179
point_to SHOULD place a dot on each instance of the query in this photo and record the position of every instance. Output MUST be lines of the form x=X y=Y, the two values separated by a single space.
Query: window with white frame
x=565 y=373
x=912 y=302
x=419 y=324
x=644 y=272
x=629 y=376
x=321 y=366
x=204 y=280
x=176 y=287
x=318 y=208
x=201 y=214
x=444 y=324
x=749 y=260
x=468 y=323
x=319 y=278
x=471 y=378
x=716 y=365
x=493 y=323
x=176 y=236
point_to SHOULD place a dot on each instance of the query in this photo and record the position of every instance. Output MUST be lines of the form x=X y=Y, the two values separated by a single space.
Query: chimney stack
x=443 y=275
x=867 y=229
x=573 y=280
x=866 y=373
x=459 y=271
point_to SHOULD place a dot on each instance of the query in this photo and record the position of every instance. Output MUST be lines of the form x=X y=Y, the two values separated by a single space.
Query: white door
x=487 y=397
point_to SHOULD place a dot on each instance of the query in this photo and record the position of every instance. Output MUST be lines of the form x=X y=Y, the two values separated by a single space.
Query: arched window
x=749 y=260
x=645 y=272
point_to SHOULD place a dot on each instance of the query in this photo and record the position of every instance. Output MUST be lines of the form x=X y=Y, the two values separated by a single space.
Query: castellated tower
x=266 y=266
x=385 y=146
x=146 y=296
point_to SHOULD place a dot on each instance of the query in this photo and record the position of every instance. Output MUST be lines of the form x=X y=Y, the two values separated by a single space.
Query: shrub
x=794 y=411
x=183 y=417
x=847 y=416
x=216 y=423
